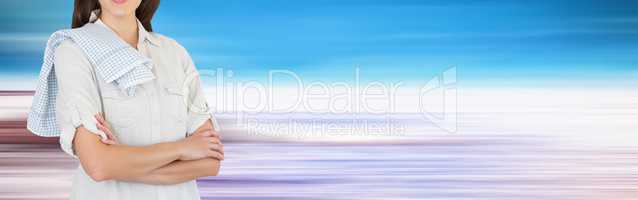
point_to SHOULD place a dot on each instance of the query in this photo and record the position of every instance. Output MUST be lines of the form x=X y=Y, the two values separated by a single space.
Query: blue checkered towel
x=115 y=61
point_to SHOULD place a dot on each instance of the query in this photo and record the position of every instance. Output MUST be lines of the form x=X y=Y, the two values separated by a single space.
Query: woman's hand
x=200 y=145
x=106 y=128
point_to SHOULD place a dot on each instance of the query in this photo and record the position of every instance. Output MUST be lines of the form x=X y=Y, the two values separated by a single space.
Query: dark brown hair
x=83 y=8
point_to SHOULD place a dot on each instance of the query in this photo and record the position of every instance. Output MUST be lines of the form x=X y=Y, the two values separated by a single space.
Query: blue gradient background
x=493 y=43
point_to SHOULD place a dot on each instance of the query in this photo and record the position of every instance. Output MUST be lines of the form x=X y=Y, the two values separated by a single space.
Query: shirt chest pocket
x=120 y=110
x=174 y=109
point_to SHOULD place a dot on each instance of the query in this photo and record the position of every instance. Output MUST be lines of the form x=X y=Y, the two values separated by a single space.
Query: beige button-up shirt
x=168 y=108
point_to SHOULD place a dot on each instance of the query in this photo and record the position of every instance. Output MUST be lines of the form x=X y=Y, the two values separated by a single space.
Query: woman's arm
x=119 y=162
x=105 y=162
x=179 y=171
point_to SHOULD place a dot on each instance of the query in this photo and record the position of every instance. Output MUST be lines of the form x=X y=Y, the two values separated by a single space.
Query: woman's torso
x=156 y=113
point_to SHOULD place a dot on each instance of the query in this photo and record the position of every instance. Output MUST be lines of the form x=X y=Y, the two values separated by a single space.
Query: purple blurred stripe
x=17 y=92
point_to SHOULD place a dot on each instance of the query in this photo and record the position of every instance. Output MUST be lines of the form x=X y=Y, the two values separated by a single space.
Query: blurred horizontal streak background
x=479 y=168
x=535 y=154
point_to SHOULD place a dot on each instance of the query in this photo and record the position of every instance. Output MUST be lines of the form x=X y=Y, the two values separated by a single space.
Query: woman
x=159 y=140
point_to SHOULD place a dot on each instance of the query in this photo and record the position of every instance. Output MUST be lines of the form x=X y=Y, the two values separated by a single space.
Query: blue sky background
x=545 y=43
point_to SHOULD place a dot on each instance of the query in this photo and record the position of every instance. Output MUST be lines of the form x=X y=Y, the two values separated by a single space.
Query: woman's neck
x=125 y=27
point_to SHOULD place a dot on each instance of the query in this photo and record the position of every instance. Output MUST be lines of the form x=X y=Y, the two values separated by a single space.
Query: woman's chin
x=118 y=13
x=120 y=8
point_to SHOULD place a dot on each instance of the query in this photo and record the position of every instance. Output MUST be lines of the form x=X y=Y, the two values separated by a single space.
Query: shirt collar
x=142 y=33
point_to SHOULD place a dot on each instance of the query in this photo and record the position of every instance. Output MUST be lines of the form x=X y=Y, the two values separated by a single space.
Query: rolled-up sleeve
x=199 y=110
x=78 y=99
